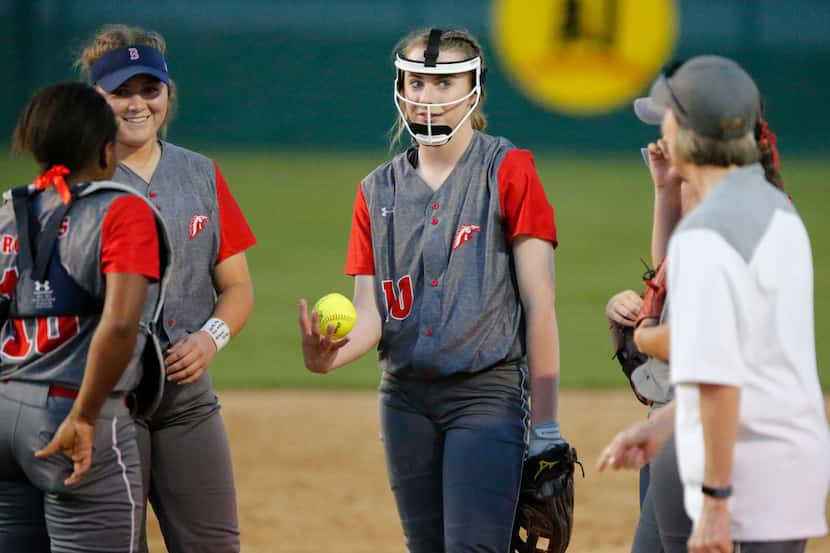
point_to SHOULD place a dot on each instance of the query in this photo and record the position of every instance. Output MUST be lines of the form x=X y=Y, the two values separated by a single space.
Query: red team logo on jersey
x=463 y=235
x=197 y=225
x=399 y=304
x=9 y=245
x=64 y=228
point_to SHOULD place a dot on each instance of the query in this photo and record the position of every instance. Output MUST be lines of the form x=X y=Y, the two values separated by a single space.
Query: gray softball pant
x=38 y=513
x=664 y=525
x=187 y=472
x=455 y=447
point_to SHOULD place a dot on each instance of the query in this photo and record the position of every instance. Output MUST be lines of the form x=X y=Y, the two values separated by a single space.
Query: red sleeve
x=234 y=233
x=129 y=240
x=524 y=205
x=360 y=259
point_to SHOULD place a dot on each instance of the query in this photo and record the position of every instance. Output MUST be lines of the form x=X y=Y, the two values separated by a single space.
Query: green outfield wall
x=318 y=73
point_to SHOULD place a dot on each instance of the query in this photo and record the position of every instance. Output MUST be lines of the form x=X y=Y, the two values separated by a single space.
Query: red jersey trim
x=235 y=235
x=525 y=208
x=129 y=240
x=360 y=259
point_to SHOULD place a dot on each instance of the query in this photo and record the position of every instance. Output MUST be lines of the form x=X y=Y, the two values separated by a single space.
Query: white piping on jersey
x=126 y=482
x=523 y=376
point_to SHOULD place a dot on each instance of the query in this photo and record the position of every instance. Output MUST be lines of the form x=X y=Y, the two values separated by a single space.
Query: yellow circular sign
x=584 y=57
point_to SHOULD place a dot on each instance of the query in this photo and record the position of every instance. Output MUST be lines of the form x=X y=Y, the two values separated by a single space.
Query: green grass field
x=299 y=205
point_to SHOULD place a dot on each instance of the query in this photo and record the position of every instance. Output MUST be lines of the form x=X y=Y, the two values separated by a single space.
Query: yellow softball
x=336 y=309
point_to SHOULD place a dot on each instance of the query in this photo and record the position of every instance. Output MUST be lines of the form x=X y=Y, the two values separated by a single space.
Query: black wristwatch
x=718 y=493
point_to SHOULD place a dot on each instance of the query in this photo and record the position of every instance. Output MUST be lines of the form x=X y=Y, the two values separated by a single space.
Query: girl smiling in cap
x=209 y=299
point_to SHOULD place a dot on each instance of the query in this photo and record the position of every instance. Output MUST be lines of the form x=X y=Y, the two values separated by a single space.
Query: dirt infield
x=311 y=478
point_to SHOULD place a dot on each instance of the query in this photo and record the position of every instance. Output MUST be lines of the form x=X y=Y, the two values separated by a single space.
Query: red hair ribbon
x=54 y=177
x=768 y=138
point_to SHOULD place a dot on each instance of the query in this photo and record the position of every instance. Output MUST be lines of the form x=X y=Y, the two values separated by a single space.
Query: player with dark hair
x=740 y=329
x=210 y=294
x=78 y=257
x=452 y=251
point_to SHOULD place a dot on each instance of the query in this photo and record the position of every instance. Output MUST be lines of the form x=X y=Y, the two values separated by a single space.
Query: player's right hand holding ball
x=324 y=332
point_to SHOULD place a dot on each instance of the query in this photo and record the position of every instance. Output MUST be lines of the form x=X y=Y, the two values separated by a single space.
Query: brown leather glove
x=544 y=516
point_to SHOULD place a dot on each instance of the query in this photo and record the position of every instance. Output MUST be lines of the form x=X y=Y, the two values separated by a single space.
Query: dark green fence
x=318 y=73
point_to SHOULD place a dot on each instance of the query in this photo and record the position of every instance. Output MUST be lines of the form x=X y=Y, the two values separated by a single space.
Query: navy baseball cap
x=116 y=66
x=711 y=95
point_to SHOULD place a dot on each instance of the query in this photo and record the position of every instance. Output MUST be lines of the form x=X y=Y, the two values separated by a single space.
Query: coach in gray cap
x=750 y=428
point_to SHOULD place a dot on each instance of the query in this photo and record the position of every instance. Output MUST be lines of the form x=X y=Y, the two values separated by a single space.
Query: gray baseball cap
x=711 y=95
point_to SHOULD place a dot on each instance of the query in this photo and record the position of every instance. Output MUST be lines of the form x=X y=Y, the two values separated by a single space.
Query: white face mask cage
x=429 y=134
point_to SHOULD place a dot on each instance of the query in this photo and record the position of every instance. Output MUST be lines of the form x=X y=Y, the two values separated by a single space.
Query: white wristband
x=219 y=332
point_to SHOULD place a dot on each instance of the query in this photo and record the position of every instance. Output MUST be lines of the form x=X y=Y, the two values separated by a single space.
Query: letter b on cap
x=133 y=53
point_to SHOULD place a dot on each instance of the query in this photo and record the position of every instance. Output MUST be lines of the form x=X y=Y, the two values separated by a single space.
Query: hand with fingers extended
x=659 y=165
x=319 y=350
x=187 y=359
x=624 y=308
x=74 y=439
x=637 y=445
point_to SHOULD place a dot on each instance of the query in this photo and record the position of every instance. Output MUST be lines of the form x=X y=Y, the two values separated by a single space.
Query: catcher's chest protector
x=46 y=289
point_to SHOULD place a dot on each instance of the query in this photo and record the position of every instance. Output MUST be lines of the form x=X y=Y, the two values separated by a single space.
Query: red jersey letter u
x=399 y=304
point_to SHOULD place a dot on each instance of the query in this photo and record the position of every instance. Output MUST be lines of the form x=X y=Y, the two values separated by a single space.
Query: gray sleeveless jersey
x=183 y=189
x=446 y=282
x=54 y=349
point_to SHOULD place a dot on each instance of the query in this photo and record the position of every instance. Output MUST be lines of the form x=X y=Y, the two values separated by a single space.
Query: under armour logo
x=384 y=211
x=134 y=55
x=463 y=235
x=42 y=286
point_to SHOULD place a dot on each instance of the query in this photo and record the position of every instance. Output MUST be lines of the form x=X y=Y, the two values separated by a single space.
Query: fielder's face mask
x=429 y=134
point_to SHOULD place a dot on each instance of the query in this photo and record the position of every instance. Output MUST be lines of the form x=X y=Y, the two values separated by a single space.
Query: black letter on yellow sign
x=574 y=29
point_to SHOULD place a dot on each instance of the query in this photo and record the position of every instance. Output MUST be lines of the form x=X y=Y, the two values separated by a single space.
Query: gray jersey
x=443 y=261
x=54 y=348
x=187 y=189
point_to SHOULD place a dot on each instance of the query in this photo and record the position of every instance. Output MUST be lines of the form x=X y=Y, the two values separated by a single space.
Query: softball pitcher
x=209 y=300
x=77 y=262
x=452 y=251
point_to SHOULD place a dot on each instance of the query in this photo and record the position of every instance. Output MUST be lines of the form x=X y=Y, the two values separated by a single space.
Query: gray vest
x=183 y=189
x=446 y=281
